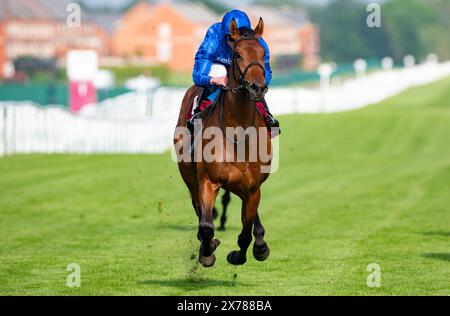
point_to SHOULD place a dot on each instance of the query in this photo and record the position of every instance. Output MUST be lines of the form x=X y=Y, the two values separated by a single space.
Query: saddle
x=200 y=103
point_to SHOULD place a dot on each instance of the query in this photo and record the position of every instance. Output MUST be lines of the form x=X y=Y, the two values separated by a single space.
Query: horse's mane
x=246 y=31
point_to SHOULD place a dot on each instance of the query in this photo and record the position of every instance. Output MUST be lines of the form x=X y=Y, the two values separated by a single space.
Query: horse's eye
x=238 y=57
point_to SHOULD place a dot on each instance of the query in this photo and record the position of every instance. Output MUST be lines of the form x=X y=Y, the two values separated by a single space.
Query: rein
x=241 y=85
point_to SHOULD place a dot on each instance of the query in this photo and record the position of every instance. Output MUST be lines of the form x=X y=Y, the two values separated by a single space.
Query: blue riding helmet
x=240 y=17
x=215 y=49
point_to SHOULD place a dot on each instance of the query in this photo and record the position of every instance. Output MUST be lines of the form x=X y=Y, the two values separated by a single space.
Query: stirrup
x=190 y=122
x=273 y=123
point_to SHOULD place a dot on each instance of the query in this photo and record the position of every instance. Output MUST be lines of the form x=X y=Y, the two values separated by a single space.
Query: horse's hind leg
x=249 y=211
x=261 y=250
x=215 y=213
x=226 y=198
x=207 y=194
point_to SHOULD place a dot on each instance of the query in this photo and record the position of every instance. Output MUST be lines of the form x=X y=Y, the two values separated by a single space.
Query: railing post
x=325 y=72
x=409 y=61
x=5 y=131
x=150 y=96
x=387 y=63
x=360 y=66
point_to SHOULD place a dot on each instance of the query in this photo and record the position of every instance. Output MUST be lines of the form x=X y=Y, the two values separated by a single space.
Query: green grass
x=162 y=72
x=369 y=186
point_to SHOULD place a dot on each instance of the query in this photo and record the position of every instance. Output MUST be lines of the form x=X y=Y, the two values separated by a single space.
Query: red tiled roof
x=36 y=9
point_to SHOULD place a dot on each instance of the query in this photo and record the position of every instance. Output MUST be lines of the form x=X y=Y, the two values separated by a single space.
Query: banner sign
x=82 y=67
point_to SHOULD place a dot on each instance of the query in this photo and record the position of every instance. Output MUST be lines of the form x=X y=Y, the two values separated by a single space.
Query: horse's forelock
x=246 y=31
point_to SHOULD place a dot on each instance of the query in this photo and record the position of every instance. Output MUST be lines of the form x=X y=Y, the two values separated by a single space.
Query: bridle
x=242 y=84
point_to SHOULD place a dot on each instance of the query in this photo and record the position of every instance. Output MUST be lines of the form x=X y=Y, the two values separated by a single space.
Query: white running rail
x=139 y=123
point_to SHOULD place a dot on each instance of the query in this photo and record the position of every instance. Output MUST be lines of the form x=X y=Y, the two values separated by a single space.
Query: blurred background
x=90 y=92
x=132 y=60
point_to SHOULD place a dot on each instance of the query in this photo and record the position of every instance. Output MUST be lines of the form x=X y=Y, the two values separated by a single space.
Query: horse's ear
x=259 y=30
x=234 y=31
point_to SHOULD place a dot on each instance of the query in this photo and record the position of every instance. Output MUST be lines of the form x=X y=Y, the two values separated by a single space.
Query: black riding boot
x=271 y=121
x=207 y=91
x=195 y=116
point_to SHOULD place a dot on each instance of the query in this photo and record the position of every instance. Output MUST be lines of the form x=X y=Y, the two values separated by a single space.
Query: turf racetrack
x=369 y=186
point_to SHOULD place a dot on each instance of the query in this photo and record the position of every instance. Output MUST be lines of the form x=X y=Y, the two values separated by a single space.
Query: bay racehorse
x=234 y=108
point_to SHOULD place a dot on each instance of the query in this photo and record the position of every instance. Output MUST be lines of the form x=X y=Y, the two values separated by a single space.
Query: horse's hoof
x=221 y=228
x=215 y=213
x=207 y=261
x=261 y=253
x=214 y=244
x=235 y=258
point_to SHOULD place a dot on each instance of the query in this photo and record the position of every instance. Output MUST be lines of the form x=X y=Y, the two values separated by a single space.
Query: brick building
x=156 y=31
x=280 y=35
x=39 y=28
x=292 y=38
x=308 y=35
x=171 y=31
x=2 y=49
x=163 y=32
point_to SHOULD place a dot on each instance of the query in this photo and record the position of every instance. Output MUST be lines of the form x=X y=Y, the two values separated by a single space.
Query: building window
x=164 y=43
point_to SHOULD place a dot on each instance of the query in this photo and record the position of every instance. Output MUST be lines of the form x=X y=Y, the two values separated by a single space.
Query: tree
x=340 y=30
x=415 y=27
x=404 y=21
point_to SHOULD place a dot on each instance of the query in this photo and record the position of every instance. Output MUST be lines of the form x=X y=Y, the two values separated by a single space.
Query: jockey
x=214 y=57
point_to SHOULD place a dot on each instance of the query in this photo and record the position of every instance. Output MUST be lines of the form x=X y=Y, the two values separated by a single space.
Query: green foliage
x=39 y=70
x=57 y=76
x=48 y=92
x=122 y=74
x=415 y=27
x=404 y=21
x=340 y=30
x=368 y=186
x=300 y=77
x=162 y=72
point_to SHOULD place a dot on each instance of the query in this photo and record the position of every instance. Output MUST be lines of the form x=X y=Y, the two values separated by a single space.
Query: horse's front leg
x=207 y=194
x=261 y=250
x=249 y=212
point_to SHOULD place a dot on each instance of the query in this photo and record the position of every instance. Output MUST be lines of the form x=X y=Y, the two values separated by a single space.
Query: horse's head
x=248 y=59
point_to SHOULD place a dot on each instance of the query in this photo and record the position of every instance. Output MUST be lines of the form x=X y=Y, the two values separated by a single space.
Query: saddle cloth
x=203 y=105
x=207 y=102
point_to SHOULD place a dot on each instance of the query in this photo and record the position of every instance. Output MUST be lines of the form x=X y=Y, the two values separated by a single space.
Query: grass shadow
x=190 y=284
x=193 y=228
x=437 y=233
x=440 y=256
x=184 y=228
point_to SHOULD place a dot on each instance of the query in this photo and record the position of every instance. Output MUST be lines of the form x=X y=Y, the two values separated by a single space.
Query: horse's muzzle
x=257 y=92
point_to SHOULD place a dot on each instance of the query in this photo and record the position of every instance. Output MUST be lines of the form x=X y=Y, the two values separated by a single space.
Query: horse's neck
x=239 y=109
